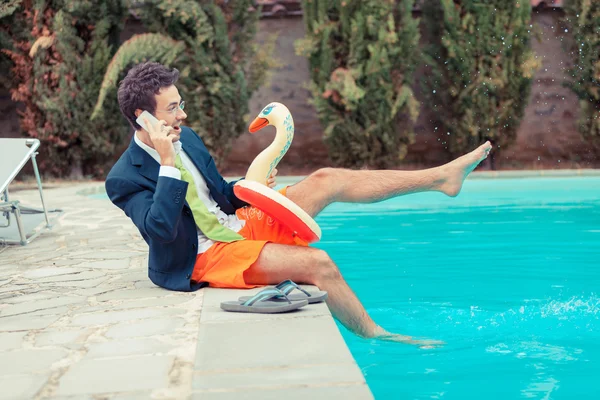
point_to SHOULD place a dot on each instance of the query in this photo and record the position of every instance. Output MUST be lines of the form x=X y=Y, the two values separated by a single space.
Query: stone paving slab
x=11 y=340
x=24 y=308
x=23 y=323
x=79 y=319
x=59 y=337
x=120 y=374
x=30 y=361
x=20 y=386
x=151 y=327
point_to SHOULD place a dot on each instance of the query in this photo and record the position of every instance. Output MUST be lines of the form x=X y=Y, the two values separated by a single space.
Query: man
x=150 y=183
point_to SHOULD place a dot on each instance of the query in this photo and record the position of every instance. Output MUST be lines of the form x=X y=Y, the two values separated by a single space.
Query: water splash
x=574 y=307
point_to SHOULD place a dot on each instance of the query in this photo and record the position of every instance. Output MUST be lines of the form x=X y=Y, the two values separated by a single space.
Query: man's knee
x=324 y=268
x=326 y=174
x=328 y=178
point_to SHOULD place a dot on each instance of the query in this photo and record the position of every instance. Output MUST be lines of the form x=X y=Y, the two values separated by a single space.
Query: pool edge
x=256 y=354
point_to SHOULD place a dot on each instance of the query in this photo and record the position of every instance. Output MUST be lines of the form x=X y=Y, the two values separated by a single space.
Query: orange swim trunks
x=223 y=264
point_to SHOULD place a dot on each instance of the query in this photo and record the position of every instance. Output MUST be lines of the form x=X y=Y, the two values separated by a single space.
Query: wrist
x=167 y=162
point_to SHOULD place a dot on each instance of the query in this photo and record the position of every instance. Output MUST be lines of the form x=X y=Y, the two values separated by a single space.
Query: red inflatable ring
x=280 y=208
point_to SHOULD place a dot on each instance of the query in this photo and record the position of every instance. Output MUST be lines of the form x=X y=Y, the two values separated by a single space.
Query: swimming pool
x=507 y=274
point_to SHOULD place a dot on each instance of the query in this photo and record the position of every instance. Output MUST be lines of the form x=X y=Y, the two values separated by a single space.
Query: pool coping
x=265 y=355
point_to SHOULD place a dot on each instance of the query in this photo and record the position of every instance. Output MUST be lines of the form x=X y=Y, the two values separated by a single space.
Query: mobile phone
x=151 y=118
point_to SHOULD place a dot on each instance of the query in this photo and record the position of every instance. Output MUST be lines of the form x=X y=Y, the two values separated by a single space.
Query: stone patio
x=79 y=319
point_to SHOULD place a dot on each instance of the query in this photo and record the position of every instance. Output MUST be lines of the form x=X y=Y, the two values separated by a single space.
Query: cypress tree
x=362 y=57
x=583 y=21
x=480 y=69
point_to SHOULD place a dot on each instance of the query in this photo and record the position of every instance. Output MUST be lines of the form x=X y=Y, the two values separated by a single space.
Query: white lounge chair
x=14 y=155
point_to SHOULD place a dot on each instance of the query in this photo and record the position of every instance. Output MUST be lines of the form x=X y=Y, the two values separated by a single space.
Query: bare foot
x=455 y=172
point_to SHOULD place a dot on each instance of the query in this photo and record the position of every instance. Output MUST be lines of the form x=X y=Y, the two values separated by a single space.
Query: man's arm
x=157 y=214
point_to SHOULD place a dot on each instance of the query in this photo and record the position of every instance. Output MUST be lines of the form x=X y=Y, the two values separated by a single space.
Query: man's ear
x=137 y=112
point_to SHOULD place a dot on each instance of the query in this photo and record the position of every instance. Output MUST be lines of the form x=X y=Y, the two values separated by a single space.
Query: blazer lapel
x=199 y=157
x=148 y=166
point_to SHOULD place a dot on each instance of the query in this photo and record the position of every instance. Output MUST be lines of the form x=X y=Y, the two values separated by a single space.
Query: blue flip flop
x=263 y=303
x=287 y=286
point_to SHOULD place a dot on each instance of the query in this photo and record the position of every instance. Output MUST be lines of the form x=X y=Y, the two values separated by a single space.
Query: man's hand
x=162 y=139
x=271 y=181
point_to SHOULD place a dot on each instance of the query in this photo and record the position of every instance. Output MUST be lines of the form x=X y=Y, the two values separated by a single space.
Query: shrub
x=219 y=65
x=60 y=50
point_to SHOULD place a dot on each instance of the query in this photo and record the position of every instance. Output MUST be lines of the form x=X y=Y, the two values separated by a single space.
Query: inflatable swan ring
x=254 y=189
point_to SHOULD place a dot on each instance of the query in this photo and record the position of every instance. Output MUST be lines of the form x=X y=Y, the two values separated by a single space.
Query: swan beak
x=258 y=124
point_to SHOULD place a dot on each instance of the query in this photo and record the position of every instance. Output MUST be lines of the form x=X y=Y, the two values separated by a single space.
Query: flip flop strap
x=266 y=294
x=287 y=286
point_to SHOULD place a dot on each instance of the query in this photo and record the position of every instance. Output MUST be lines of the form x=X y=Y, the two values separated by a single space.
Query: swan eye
x=267 y=110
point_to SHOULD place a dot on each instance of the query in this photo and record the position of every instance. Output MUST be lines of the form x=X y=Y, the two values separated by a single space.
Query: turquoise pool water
x=507 y=274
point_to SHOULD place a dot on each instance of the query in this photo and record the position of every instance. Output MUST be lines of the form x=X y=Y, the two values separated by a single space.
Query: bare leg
x=329 y=185
x=307 y=265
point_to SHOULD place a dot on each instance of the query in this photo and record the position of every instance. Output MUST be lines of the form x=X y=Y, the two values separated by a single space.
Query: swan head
x=273 y=114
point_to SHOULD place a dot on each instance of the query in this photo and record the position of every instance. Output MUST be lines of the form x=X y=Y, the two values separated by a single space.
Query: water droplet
x=434 y=91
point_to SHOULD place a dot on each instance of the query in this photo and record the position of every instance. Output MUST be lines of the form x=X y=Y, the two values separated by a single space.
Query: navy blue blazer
x=157 y=206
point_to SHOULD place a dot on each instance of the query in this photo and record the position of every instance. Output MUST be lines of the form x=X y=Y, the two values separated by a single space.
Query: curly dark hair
x=140 y=85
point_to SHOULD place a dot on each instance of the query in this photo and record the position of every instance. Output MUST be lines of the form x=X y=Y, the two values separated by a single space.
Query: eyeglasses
x=173 y=110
